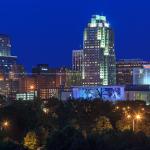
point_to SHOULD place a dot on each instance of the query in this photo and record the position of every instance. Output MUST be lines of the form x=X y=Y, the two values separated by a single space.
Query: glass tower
x=5 y=45
x=6 y=59
x=99 y=64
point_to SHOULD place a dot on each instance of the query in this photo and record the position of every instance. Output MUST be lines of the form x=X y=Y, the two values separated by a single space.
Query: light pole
x=134 y=118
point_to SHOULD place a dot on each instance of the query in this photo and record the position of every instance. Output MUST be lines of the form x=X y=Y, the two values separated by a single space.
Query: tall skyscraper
x=5 y=46
x=99 y=65
x=77 y=67
x=77 y=60
x=6 y=59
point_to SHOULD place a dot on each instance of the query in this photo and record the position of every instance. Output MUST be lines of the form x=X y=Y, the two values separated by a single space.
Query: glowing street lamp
x=46 y=110
x=143 y=109
x=123 y=108
x=129 y=116
x=137 y=117
x=117 y=107
x=31 y=87
x=128 y=107
x=5 y=124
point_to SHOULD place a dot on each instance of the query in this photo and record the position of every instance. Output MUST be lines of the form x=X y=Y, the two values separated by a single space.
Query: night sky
x=46 y=31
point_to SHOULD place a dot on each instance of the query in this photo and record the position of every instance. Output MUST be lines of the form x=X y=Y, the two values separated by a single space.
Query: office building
x=99 y=65
x=17 y=71
x=124 y=70
x=6 y=64
x=138 y=93
x=141 y=76
x=26 y=96
x=6 y=59
x=27 y=84
x=77 y=60
x=46 y=94
x=5 y=46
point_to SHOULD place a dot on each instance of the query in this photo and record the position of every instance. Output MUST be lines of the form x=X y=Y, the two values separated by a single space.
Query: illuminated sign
x=112 y=93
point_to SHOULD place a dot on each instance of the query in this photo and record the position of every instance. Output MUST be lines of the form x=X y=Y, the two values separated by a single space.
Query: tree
x=65 y=139
x=31 y=141
x=10 y=145
x=123 y=125
x=103 y=124
x=144 y=127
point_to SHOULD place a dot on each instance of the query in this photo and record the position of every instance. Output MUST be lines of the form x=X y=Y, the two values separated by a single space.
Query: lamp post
x=134 y=118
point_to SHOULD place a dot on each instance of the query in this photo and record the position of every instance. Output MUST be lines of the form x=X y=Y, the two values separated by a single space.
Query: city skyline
x=33 y=29
x=74 y=75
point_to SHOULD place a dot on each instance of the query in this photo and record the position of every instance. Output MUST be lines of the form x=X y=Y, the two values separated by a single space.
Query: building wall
x=138 y=95
x=141 y=76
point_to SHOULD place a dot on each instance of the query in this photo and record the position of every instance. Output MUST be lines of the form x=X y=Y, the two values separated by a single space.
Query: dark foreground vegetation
x=75 y=125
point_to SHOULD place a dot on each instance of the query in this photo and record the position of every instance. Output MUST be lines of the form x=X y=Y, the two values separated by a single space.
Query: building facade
x=138 y=93
x=124 y=70
x=6 y=64
x=77 y=60
x=141 y=76
x=99 y=65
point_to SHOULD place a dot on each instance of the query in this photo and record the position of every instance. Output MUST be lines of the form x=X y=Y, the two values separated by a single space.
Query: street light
x=143 y=109
x=129 y=116
x=46 y=110
x=123 y=108
x=117 y=107
x=5 y=124
x=136 y=117
x=32 y=89
x=128 y=107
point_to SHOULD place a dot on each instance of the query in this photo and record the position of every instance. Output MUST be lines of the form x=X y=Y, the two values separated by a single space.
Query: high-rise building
x=77 y=67
x=99 y=65
x=5 y=46
x=17 y=71
x=124 y=70
x=77 y=60
x=6 y=64
x=6 y=59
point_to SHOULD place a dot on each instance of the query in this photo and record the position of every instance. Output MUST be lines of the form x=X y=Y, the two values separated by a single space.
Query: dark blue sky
x=46 y=31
